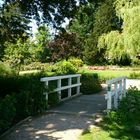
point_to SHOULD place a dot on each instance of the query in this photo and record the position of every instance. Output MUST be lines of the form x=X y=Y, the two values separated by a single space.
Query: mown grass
x=108 y=74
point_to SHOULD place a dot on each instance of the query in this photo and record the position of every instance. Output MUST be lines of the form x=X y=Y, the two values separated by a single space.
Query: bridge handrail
x=116 y=90
x=60 y=87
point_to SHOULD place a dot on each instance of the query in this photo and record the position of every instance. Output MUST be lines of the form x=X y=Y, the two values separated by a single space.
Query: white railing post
x=116 y=95
x=59 y=86
x=124 y=87
x=120 y=89
x=46 y=93
x=109 y=98
x=78 y=87
x=69 y=84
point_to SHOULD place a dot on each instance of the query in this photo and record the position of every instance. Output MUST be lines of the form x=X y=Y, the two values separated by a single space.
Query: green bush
x=90 y=84
x=7 y=112
x=22 y=97
x=76 y=62
x=129 y=109
x=136 y=62
x=5 y=69
x=64 y=67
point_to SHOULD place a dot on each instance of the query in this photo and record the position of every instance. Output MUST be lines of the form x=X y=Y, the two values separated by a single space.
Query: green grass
x=96 y=134
x=108 y=74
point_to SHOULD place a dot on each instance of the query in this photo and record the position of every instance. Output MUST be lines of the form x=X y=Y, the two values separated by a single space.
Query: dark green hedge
x=21 y=96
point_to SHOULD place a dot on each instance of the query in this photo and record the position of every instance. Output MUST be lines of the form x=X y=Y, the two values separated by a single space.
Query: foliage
x=35 y=66
x=14 y=24
x=105 y=21
x=136 y=62
x=39 y=49
x=90 y=83
x=53 y=12
x=126 y=42
x=7 y=111
x=23 y=97
x=5 y=69
x=76 y=62
x=64 y=46
x=120 y=124
x=16 y=53
x=64 y=67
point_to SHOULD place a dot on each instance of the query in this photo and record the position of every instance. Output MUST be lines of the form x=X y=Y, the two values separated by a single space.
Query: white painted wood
x=116 y=91
x=124 y=88
x=112 y=81
x=120 y=89
x=60 y=87
x=78 y=87
x=59 y=77
x=116 y=95
x=69 y=84
x=46 y=93
x=109 y=98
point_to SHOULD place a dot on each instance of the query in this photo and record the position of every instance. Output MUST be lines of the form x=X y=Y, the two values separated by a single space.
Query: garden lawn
x=108 y=74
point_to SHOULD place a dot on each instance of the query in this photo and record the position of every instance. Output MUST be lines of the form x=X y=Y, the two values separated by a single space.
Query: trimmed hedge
x=90 y=83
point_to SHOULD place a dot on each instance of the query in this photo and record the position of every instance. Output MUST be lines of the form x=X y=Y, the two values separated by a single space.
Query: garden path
x=65 y=122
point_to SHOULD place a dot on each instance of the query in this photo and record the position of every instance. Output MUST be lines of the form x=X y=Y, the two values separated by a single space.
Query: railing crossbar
x=60 y=87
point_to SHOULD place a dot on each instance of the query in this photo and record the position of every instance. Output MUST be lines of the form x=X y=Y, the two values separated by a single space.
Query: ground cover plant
x=122 y=124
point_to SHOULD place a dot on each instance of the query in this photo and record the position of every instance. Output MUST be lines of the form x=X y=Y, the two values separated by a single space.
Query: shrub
x=90 y=84
x=5 y=70
x=64 y=67
x=77 y=62
x=136 y=62
x=7 y=112
x=28 y=99
x=129 y=109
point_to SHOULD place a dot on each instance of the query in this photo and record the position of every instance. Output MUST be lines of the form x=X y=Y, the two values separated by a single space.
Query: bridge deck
x=84 y=105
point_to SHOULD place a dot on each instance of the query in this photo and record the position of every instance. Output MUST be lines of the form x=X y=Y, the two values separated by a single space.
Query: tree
x=64 y=46
x=13 y=25
x=105 y=21
x=16 y=53
x=53 y=12
x=39 y=50
x=127 y=42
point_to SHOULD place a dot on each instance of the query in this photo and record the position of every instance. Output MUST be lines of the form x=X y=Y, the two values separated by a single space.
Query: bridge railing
x=60 y=87
x=116 y=90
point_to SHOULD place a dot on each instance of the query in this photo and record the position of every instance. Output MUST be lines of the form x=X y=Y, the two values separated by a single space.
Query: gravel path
x=132 y=82
x=51 y=127
x=71 y=119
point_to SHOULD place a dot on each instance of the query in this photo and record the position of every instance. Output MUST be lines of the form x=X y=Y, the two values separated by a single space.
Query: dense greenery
x=99 y=32
x=122 y=124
